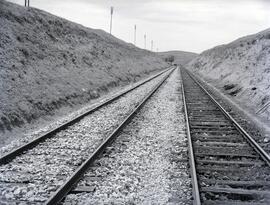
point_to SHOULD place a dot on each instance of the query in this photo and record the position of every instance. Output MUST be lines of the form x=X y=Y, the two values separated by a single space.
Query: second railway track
x=240 y=115
x=228 y=166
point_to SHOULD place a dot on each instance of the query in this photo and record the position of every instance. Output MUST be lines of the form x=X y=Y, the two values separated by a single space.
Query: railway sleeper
x=205 y=106
x=14 y=183
x=83 y=189
x=5 y=201
x=201 y=102
x=226 y=154
x=221 y=202
x=206 y=169
x=60 y=148
x=238 y=184
x=207 y=117
x=231 y=162
x=206 y=120
x=205 y=139
x=192 y=90
x=222 y=132
x=201 y=105
x=224 y=149
x=210 y=124
x=216 y=140
x=230 y=173
x=211 y=115
x=222 y=144
x=195 y=94
x=222 y=158
x=220 y=135
x=206 y=111
x=234 y=194
x=214 y=136
x=213 y=127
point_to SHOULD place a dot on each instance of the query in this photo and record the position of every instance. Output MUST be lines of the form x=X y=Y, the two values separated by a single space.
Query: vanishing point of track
x=227 y=165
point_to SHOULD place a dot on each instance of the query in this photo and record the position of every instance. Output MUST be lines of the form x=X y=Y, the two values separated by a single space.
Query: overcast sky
x=189 y=25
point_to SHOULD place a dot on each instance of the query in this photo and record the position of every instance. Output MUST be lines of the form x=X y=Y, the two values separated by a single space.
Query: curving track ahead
x=44 y=170
x=227 y=165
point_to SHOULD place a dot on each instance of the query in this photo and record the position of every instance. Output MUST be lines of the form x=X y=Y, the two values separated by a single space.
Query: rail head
x=195 y=186
x=250 y=140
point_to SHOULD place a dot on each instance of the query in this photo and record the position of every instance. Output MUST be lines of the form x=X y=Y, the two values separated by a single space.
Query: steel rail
x=17 y=151
x=250 y=140
x=195 y=186
x=58 y=196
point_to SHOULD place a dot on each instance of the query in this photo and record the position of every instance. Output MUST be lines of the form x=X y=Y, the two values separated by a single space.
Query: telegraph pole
x=135 y=28
x=144 y=41
x=26 y=3
x=152 y=45
x=111 y=20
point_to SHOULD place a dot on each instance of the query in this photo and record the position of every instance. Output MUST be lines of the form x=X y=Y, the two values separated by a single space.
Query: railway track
x=147 y=163
x=241 y=117
x=46 y=169
x=227 y=165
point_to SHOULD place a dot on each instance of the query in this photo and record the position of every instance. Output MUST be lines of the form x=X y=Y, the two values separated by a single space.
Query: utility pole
x=135 y=28
x=111 y=20
x=152 y=45
x=144 y=41
x=26 y=3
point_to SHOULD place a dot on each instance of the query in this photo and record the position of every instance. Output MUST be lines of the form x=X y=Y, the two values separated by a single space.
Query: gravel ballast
x=33 y=176
x=147 y=164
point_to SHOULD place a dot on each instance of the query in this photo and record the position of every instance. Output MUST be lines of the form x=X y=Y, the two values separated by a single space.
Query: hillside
x=241 y=70
x=180 y=57
x=47 y=63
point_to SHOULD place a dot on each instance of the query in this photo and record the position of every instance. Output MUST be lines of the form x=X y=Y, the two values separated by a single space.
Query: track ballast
x=44 y=170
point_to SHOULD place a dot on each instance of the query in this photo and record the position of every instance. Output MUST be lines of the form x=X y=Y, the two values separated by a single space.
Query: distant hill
x=241 y=69
x=47 y=63
x=180 y=57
